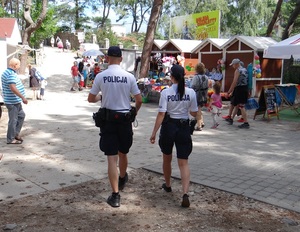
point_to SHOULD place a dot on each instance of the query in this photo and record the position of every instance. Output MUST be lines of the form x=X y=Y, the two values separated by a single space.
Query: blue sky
x=127 y=22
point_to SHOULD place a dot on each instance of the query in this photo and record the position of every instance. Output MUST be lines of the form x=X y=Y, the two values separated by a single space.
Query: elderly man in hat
x=239 y=92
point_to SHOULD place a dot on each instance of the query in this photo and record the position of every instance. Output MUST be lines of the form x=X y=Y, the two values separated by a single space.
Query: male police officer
x=115 y=85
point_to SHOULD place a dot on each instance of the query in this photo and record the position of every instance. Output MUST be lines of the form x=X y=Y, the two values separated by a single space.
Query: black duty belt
x=113 y=115
x=179 y=121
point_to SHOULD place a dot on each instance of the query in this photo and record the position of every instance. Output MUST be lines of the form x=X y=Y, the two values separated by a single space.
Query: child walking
x=43 y=86
x=215 y=104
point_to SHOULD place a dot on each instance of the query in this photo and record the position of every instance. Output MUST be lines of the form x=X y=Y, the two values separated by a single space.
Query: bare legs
x=123 y=163
x=167 y=168
x=199 y=118
x=184 y=172
x=113 y=173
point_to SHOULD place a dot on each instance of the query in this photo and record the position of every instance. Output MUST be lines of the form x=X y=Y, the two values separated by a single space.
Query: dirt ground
x=144 y=207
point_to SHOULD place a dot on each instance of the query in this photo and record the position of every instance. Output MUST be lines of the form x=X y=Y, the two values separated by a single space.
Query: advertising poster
x=197 y=26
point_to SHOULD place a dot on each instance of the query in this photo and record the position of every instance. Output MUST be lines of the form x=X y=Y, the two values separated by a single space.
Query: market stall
x=288 y=95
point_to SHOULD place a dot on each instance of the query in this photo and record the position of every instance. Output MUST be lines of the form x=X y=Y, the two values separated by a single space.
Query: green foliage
x=132 y=39
x=137 y=10
x=103 y=33
x=48 y=28
x=286 y=10
x=72 y=16
x=3 y=13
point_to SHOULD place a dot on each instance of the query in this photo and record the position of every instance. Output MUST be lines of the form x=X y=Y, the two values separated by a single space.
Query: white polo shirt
x=116 y=85
x=170 y=102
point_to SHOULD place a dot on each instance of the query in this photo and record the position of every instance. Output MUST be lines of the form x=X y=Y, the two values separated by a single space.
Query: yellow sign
x=197 y=26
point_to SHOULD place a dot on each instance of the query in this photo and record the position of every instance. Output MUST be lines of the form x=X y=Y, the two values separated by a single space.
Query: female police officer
x=175 y=104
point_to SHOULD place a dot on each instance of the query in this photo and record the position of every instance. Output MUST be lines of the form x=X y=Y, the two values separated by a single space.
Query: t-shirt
x=9 y=77
x=179 y=109
x=96 y=70
x=74 y=71
x=116 y=86
x=216 y=100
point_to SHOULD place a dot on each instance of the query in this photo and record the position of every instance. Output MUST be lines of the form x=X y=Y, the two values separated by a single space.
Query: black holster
x=132 y=113
x=100 y=117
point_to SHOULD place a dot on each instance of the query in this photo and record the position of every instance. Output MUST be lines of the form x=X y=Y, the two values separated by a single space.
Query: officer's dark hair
x=177 y=71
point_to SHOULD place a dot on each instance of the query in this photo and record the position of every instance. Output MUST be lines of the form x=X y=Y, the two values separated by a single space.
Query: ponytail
x=177 y=72
x=181 y=87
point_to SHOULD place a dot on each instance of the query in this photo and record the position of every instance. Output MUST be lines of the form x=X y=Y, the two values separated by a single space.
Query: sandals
x=15 y=141
x=18 y=138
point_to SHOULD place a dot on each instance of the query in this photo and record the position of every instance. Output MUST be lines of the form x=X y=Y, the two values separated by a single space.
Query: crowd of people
x=179 y=106
x=60 y=44
x=84 y=71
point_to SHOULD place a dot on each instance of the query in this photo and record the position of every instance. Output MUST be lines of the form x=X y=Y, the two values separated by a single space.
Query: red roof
x=7 y=27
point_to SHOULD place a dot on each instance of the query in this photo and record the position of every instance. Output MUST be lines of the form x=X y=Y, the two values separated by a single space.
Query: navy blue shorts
x=116 y=137
x=175 y=133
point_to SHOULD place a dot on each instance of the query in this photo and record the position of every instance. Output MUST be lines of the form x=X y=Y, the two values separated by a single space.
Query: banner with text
x=197 y=26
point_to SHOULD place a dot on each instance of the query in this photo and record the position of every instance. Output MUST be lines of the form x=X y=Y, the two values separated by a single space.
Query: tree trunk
x=274 y=19
x=31 y=27
x=290 y=24
x=155 y=12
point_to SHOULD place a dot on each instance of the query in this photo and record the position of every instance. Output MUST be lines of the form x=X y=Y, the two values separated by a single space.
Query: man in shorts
x=116 y=86
x=239 y=91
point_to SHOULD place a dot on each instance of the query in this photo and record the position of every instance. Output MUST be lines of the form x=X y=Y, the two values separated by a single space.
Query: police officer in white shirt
x=175 y=105
x=116 y=86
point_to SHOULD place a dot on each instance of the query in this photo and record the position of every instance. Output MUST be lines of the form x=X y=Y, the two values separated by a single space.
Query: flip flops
x=15 y=141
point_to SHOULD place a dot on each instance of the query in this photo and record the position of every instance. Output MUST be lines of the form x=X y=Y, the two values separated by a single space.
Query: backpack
x=201 y=89
x=39 y=76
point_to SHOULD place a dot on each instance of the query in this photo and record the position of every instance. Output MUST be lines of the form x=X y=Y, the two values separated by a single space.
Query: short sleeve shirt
x=74 y=70
x=116 y=86
x=9 y=77
x=179 y=109
x=216 y=100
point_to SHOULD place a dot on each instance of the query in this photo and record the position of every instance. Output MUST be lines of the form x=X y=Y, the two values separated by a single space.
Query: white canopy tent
x=284 y=49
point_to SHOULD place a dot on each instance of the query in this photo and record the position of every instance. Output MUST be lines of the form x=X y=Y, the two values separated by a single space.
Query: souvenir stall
x=287 y=94
x=210 y=52
x=250 y=50
x=181 y=50
x=164 y=55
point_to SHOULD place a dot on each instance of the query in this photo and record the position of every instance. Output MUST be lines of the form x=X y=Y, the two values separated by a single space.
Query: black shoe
x=245 y=125
x=167 y=189
x=123 y=181
x=185 y=201
x=114 y=200
x=230 y=121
